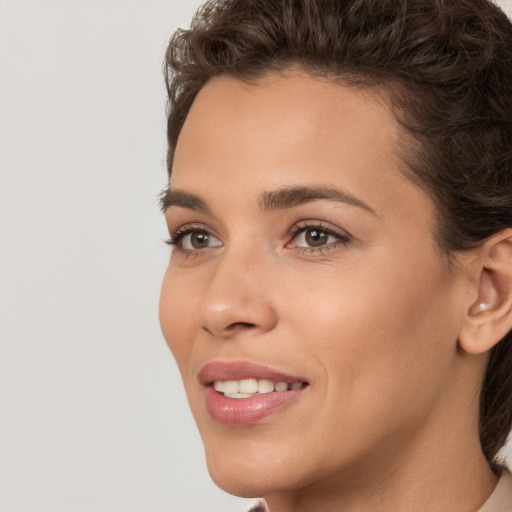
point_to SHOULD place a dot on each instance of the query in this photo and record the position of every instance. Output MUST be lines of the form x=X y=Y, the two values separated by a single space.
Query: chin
x=253 y=481
x=242 y=485
x=249 y=469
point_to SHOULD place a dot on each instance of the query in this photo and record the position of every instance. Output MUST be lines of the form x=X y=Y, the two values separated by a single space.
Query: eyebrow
x=280 y=199
x=184 y=200
x=294 y=196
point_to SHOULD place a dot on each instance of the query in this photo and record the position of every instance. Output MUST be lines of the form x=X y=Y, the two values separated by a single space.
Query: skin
x=371 y=319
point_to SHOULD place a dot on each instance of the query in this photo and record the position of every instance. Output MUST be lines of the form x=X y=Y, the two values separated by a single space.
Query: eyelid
x=343 y=236
x=182 y=230
x=179 y=234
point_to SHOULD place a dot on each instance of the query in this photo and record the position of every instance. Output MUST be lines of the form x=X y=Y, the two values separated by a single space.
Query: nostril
x=241 y=325
x=231 y=328
x=207 y=330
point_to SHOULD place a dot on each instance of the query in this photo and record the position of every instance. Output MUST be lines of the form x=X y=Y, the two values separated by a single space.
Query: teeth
x=218 y=385
x=281 y=386
x=246 y=388
x=231 y=386
x=265 y=386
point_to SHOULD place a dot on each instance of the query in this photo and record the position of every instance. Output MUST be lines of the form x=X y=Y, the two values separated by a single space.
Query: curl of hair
x=446 y=66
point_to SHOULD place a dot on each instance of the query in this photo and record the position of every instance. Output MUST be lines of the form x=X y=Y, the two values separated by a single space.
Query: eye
x=313 y=238
x=317 y=237
x=194 y=239
x=198 y=240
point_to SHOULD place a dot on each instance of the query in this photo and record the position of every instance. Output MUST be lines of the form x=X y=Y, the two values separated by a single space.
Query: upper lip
x=238 y=370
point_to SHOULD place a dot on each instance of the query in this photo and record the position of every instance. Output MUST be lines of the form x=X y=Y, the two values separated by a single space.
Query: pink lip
x=245 y=411
x=237 y=370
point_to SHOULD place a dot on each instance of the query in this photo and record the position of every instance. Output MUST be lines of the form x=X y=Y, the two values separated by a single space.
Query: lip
x=245 y=411
x=237 y=370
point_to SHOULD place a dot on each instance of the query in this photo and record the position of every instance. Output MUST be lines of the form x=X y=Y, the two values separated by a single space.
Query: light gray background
x=92 y=412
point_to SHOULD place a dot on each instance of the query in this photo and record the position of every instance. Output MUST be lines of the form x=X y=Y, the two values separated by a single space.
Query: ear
x=489 y=318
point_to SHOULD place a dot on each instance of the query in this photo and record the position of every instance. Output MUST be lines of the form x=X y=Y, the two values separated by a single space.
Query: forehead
x=292 y=109
x=290 y=130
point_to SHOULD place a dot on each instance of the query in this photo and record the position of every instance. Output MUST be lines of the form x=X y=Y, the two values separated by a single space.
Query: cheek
x=382 y=334
x=381 y=344
x=176 y=302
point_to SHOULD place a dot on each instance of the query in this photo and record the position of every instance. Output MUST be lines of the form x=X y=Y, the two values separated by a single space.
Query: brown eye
x=318 y=238
x=315 y=237
x=197 y=240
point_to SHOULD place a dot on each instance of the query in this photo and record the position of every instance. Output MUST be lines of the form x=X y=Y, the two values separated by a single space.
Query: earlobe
x=478 y=308
x=488 y=291
x=489 y=318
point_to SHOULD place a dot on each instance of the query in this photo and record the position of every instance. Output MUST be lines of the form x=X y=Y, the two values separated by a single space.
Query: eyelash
x=343 y=238
x=175 y=239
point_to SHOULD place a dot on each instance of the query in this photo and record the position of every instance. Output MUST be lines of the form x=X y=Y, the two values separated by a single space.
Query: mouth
x=247 y=388
x=241 y=393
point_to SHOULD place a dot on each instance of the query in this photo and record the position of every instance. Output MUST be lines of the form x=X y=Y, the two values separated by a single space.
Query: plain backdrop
x=93 y=417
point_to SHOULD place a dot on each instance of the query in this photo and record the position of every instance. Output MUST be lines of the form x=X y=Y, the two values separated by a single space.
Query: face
x=311 y=315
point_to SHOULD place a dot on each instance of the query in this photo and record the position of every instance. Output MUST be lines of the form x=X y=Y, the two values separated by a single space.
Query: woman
x=339 y=295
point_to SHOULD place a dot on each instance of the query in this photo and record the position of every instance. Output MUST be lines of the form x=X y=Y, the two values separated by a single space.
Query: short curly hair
x=446 y=66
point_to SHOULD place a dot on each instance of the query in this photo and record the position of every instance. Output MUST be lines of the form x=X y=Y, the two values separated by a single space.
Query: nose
x=238 y=299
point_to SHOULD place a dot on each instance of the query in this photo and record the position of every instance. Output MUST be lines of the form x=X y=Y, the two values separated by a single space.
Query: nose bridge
x=239 y=295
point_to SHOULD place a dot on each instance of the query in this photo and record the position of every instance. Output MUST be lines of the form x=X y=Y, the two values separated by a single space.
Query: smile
x=242 y=393
x=246 y=388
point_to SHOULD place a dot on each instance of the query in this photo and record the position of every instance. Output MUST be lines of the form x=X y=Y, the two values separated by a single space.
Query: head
x=435 y=76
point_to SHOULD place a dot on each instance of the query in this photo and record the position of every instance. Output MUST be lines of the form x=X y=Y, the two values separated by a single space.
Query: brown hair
x=446 y=66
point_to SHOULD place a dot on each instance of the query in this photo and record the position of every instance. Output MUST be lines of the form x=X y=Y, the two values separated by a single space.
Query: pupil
x=315 y=237
x=199 y=240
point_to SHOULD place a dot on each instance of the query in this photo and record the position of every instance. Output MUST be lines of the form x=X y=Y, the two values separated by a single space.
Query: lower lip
x=246 y=411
